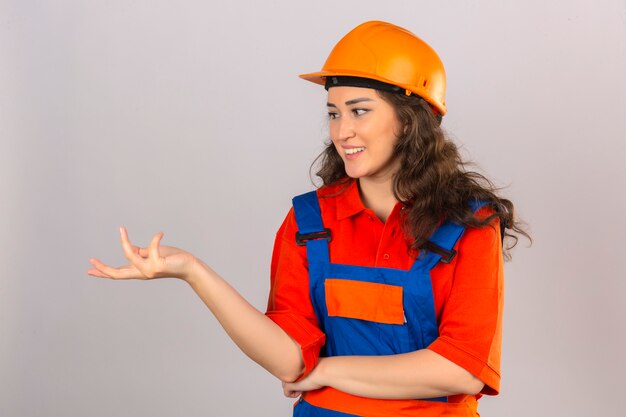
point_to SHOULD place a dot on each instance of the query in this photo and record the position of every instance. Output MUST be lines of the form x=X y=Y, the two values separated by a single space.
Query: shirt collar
x=349 y=201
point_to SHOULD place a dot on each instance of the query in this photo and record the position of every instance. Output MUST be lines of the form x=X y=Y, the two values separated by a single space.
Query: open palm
x=155 y=261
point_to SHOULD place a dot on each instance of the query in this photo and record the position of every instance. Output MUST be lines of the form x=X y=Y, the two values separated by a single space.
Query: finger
x=126 y=245
x=290 y=393
x=134 y=258
x=153 y=249
x=100 y=269
x=288 y=389
x=140 y=251
x=104 y=271
x=95 y=271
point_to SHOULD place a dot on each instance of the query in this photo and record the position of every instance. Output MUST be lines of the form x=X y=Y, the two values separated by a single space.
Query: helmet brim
x=320 y=78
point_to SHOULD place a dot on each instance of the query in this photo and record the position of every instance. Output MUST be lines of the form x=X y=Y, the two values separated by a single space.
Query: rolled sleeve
x=470 y=326
x=308 y=336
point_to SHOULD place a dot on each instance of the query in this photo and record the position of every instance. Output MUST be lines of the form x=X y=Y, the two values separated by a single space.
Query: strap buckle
x=446 y=255
x=302 y=239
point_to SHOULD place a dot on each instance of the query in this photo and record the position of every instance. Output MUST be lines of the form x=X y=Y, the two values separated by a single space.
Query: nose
x=343 y=128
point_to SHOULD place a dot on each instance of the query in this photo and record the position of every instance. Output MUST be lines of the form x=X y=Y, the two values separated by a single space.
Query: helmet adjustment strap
x=346 y=81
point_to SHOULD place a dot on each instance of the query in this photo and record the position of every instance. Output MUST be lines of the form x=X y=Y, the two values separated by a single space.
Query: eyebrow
x=351 y=102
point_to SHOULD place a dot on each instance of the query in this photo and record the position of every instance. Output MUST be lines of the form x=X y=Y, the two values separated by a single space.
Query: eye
x=332 y=115
x=359 y=112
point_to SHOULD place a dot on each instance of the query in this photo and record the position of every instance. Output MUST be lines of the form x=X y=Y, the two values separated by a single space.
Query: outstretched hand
x=146 y=263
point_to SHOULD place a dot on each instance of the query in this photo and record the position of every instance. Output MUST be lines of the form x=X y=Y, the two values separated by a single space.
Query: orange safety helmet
x=390 y=54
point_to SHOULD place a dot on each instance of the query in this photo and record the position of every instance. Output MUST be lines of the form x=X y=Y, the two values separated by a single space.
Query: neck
x=377 y=195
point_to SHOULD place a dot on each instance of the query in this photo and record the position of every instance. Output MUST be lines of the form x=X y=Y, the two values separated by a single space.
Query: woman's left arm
x=419 y=374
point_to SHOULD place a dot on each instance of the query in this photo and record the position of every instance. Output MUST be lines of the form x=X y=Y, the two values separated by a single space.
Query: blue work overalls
x=353 y=336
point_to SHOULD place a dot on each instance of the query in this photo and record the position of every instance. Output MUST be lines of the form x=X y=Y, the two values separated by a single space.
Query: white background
x=188 y=117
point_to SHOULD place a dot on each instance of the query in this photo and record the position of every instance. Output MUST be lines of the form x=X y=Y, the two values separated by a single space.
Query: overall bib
x=369 y=310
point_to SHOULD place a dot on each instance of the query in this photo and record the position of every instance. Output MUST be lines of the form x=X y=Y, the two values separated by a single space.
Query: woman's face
x=363 y=128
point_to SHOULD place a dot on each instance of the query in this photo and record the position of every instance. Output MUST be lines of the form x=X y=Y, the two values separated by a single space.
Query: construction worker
x=386 y=282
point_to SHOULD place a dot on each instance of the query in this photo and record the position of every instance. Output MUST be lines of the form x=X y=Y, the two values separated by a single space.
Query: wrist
x=196 y=272
x=321 y=371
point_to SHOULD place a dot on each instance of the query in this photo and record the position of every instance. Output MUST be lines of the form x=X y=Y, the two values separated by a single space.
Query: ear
x=405 y=128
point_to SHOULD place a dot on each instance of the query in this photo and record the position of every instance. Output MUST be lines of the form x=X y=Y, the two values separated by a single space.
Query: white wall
x=189 y=118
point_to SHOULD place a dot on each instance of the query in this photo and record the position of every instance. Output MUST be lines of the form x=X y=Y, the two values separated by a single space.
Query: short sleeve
x=289 y=303
x=470 y=326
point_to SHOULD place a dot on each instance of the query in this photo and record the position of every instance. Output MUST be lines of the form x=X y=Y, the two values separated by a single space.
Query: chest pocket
x=370 y=301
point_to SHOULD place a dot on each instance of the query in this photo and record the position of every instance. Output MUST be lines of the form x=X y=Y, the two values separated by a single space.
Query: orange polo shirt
x=468 y=295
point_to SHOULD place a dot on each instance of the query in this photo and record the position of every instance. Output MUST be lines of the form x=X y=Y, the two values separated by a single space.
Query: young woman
x=387 y=282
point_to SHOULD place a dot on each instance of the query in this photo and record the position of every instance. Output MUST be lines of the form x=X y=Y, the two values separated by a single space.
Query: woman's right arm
x=256 y=334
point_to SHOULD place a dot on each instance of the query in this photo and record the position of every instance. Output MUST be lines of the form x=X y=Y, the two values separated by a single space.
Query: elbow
x=289 y=373
x=288 y=377
x=473 y=386
x=288 y=365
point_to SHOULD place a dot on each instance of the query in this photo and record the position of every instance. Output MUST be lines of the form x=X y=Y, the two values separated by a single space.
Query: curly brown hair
x=433 y=180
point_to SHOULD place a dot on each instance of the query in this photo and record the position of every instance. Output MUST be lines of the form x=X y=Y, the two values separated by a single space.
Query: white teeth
x=352 y=151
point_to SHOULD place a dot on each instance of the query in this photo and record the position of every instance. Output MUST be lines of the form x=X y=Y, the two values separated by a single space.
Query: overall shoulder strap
x=444 y=239
x=311 y=231
x=308 y=213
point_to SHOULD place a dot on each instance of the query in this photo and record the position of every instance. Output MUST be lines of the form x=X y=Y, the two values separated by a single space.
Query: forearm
x=256 y=335
x=419 y=374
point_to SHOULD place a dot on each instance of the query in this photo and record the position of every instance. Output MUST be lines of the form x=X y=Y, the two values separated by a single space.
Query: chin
x=355 y=175
x=354 y=172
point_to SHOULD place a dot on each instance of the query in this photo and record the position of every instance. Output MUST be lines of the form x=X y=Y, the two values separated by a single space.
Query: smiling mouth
x=353 y=151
